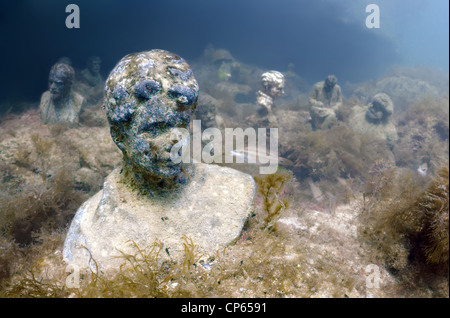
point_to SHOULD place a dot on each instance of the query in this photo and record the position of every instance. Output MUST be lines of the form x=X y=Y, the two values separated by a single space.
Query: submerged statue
x=375 y=119
x=324 y=100
x=65 y=60
x=151 y=196
x=273 y=83
x=91 y=74
x=90 y=82
x=60 y=104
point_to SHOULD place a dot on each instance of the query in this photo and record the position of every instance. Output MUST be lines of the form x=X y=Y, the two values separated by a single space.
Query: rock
x=403 y=90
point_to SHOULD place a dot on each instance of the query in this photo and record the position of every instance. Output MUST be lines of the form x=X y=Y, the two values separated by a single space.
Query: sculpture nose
x=54 y=88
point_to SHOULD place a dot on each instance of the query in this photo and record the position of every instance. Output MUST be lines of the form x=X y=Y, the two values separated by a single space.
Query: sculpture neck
x=61 y=100
x=93 y=73
x=375 y=119
x=148 y=183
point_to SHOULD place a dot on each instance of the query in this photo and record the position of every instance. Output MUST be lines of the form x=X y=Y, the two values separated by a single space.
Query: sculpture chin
x=373 y=117
x=169 y=171
x=159 y=169
x=57 y=93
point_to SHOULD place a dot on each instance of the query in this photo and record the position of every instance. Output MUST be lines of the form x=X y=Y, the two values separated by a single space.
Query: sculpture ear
x=120 y=145
x=387 y=112
x=117 y=138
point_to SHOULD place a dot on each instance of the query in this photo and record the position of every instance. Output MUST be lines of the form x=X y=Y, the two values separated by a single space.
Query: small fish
x=251 y=155
x=347 y=187
x=317 y=193
x=342 y=182
x=331 y=202
x=422 y=170
x=319 y=196
x=206 y=266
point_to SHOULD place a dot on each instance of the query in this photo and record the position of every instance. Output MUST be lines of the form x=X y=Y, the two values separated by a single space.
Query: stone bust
x=325 y=99
x=326 y=93
x=150 y=197
x=91 y=74
x=60 y=104
x=375 y=119
x=273 y=83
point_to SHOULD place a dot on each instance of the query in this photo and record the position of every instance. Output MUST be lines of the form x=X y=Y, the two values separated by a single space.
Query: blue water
x=319 y=37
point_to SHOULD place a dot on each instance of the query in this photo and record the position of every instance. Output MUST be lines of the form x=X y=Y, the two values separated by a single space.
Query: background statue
x=91 y=74
x=60 y=104
x=65 y=60
x=324 y=100
x=273 y=87
x=375 y=119
x=90 y=82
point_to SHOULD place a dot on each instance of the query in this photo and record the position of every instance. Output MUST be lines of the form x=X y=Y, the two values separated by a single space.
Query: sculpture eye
x=146 y=88
x=183 y=95
x=152 y=128
x=120 y=93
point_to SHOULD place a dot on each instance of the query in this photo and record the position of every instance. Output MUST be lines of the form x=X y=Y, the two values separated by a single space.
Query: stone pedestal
x=211 y=210
x=68 y=113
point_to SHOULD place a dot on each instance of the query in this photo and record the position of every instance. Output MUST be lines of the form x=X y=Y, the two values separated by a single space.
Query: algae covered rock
x=47 y=171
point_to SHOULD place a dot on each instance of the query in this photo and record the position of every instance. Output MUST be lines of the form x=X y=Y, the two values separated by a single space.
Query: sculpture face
x=276 y=90
x=380 y=109
x=60 y=80
x=57 y=86
x=330 y=81
x=375 y=112
x=273 y=83
x=147 y=95
x=65 y=60
x=94 y=64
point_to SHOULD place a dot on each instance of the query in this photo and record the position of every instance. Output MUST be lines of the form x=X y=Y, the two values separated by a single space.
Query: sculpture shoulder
x=92 y=203
x=391 y=131
x=225 y=172
x=316 y=92
x=45 y=98
x=85 y=73
x=318 y=86
x=358 y=109
x=357 y=116
x=208 y=179
x=217 y=175
x=44 y=106
x=77 y=99
x=85 y=211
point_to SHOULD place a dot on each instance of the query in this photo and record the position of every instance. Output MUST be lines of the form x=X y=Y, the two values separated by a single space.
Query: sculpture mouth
x=55 y=91
x=168 y=163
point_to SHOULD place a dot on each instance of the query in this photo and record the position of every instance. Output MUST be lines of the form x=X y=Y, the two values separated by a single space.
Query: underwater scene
x=224 y=149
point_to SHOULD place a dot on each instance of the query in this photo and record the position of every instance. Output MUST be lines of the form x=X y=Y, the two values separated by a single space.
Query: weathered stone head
x=148 y=94
x=330 y=81
x=220 y=56
x=380 y=109
x=60 y=80
x=273 y=83
x=65 y=60
x=93 y=64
